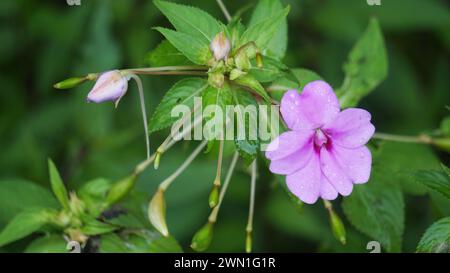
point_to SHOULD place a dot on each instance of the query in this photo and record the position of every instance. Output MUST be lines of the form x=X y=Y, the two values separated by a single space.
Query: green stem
x=166 y=183
x=224 y=10
x=144 y=112
x=249 y=228
x=213 y=216
x=168 y=68
x=166 y=145
x=194 y=73
x=424 y=139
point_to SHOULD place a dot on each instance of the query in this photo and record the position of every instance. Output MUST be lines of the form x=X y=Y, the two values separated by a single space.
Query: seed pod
x=202 y=239
x=157 y=212
x=337 y=227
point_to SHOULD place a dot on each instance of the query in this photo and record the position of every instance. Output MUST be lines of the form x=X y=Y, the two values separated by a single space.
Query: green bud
x=242 y=61
x=216 y=79
x=248 y=242
x=442 y=143
x=76 y=206
x=62 y=219
x=337 y=227
x=157 y=160
x=214 y=196
x=251 y=51
x=236 y=73
x=157 y=212
x=77 y=235
x=202 y=239
x=69 y=83
x=120 y=189
x=445 y=126
x=259 y=61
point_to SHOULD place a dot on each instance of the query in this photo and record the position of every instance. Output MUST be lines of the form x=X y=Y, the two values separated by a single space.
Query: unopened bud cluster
x=230 y=62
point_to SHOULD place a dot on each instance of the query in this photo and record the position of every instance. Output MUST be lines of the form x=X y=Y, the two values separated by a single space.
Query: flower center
x=320 y=138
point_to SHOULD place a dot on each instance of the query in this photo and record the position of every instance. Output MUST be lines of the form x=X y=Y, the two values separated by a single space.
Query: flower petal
x=318 y=103
x=287 y=143
x=305 y=183
x=327 y=191
x=110 y=86
x=290 y=110
x=292 y=162
x=356 y=163
x=316 y=106
x=351 y=128
x=334 y=173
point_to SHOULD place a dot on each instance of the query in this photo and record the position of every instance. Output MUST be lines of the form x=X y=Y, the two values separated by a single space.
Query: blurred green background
x=43 y=42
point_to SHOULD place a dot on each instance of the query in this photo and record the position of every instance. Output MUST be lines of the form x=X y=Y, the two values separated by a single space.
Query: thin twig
x=195 y=73
x=424 y=139
x=213 y=216
x=224 y=10
x=144 y=112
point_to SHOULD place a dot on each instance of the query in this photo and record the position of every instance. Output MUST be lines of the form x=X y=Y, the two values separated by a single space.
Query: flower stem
x=249 y=228
x=166 y=183
x=194 y=73
x=424 y=139
x=167 y=68
x=144 y=112
x=172 y=139
x=166 y=145
x=224 y=10
x=213 y=216
x=219 y=164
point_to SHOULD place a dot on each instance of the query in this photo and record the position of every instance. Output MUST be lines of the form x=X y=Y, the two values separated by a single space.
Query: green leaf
x=446 y=169
x=190 y=20
x=405 y=158
x=263 y=32
x=165 y=54
x=17 y=195
x=192 y=47
x=366 y=67
x=278 y=44
x=235 y=29
x=271 y=70
x=91 y=226
x=140 y=241
x=248 y=148
x=377 y=209
x=219 y=98
x=183 y=92
x=57 y=185
x=250 y=82
x=47 y=244
x=436 y=238
x=25 y=223
x=120 y=189
x=126 y=220
x=305 y=76
x=296 y=79
x=435 y=180
x=112 y=243
x=93 y=194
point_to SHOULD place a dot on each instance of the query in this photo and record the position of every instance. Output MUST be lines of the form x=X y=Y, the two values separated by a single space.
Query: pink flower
x=324 y=154
x=220 y=46
x=110 y=86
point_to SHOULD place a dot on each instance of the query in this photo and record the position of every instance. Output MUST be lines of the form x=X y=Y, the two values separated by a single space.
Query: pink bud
x=110 y=86
x=220 y=46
